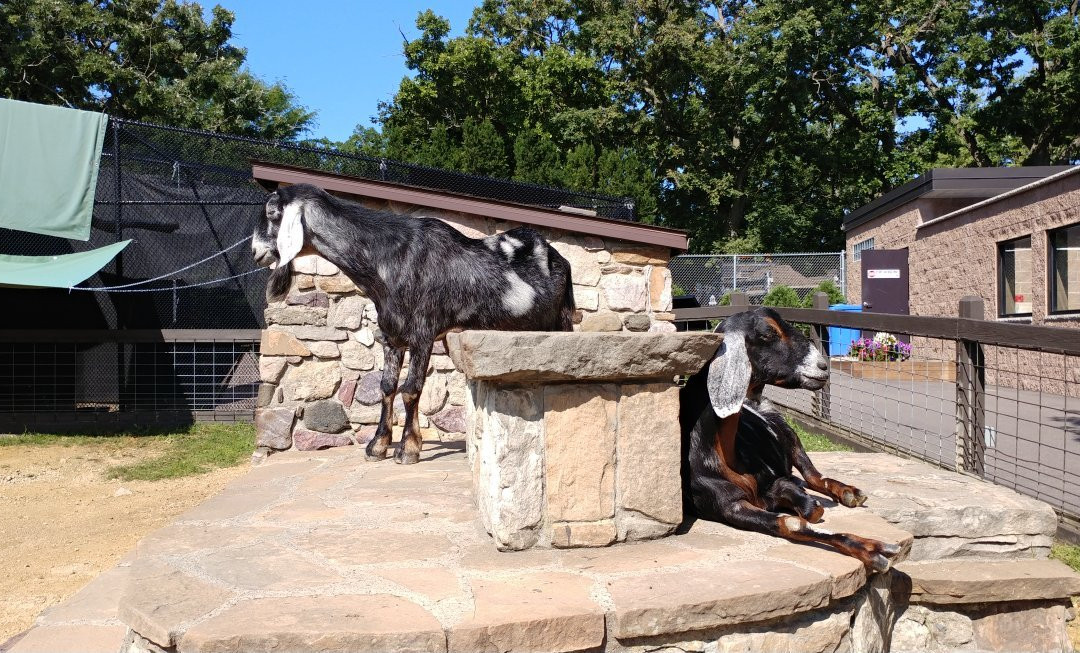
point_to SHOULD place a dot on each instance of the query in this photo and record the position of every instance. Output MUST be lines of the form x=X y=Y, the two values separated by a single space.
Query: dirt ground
x=62 y=522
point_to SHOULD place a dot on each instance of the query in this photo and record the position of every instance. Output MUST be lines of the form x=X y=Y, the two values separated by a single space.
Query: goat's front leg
x=376 y=448
x=874 y=554
x=408 y=451
x=848 y=495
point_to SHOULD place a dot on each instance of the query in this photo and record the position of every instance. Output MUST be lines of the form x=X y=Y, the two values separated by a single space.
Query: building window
x=1014 y=277
x=1065 y=269
x=860 y=247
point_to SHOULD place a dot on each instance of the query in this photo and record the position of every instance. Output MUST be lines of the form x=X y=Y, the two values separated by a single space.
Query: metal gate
x=708 y=277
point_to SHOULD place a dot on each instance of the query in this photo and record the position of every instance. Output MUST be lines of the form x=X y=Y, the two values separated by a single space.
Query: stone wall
x=321 y=363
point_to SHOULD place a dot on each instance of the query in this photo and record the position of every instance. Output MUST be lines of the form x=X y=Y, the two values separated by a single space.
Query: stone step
x=951 y=515
x=943 y=582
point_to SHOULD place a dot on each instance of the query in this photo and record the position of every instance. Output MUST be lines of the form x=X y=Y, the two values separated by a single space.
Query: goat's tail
x=566 y=313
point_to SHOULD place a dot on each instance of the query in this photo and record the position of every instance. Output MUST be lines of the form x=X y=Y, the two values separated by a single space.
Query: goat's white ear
x=729 y=375
x=290 y=235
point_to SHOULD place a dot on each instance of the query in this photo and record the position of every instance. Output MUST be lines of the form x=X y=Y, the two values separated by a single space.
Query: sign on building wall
x=883 y=274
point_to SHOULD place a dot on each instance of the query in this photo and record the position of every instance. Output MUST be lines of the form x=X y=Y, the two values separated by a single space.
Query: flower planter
x=897 y=370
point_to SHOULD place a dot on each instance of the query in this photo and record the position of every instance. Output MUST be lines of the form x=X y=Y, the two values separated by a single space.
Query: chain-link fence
x=704 y=279
x=182 y=196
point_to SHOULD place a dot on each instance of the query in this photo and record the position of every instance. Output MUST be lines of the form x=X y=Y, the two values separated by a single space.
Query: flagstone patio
x=325 y=551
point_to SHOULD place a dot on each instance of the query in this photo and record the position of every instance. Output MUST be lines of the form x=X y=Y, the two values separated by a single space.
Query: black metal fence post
x=820 y=336
x=970 y=393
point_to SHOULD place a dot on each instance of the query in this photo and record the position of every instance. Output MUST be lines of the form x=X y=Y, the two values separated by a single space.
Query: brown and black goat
x=738 y=452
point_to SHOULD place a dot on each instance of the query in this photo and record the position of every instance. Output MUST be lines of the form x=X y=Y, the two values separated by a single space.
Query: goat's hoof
x=879 y=563
x=889 y=550
x=852 y=498
x=816 y=514
x=407 y=457
x=375 y=455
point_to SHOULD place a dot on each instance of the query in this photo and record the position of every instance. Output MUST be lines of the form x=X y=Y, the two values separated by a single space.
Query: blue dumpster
x=840 y=338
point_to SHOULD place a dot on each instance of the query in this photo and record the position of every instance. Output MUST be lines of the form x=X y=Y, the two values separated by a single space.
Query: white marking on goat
x=384 y=273
x=809 y=365
x=519 y=296
x=492 y=242
x=541 y=255
x=793 y=524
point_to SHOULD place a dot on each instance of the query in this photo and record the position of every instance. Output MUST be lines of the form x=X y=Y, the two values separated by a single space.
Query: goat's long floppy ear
x=278 y=284
x=290 y=235
x=729 y=375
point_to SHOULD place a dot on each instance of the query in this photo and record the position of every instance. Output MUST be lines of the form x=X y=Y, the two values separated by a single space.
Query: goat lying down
x=738 y=452
x=424 y=277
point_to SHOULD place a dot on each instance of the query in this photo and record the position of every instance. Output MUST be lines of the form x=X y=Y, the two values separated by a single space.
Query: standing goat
x=424 y=277
x=738 y=452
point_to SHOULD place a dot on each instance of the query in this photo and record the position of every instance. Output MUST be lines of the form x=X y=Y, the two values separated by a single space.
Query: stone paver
x=536 y=612
x=985 y=581
x=160 y=599
x=319 y=623
x=536 y=357
x=82 y=638
x=950 y=515
x=394 y=558
x=752 y=590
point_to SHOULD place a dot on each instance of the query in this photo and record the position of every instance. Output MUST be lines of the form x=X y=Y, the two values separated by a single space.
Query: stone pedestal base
x=573 y=438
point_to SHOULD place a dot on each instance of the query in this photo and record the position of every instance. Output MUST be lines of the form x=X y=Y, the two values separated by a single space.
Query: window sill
x=1062 y=317
x=1019 y=319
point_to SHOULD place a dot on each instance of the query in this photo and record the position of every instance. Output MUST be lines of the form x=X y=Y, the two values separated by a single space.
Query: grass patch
x=205 y=446
x=197 y=449
x=1067 y=553
x=815 y=442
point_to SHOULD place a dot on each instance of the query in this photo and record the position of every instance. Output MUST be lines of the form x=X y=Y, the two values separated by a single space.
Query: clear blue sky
x=339 y=57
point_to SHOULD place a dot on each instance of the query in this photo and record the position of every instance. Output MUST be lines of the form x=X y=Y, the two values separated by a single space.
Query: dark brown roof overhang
x=617 y=229
x=961 y=183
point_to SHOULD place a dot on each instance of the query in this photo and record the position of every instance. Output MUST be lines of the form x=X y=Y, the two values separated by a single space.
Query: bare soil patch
x=62 y=521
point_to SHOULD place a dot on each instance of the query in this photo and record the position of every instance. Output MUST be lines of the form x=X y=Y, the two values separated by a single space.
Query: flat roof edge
x=1067 y=172
x=629 y=231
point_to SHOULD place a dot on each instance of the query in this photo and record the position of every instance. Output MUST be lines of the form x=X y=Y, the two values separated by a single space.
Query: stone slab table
x=573 y=438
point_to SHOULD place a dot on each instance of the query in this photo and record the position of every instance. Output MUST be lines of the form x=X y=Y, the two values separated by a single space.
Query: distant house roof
x=571 y=220
x=962 y=183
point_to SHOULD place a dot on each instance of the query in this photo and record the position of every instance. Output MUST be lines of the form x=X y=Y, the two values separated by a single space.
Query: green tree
x=482 y=151
x=755 y=125
x=781 y=295
x=536 y=159
x=154 y=60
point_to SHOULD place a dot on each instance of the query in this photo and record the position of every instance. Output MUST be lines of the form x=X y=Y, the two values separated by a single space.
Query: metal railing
x=1000 y=401
x=708 y=277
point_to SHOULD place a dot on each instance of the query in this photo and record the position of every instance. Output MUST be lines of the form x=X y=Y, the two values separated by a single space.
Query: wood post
x=819 y=334
x=970 y=393
x=739 y=298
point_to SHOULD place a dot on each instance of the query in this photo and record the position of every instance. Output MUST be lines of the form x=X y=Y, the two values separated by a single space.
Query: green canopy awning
x=61 y=271
x=49 y=160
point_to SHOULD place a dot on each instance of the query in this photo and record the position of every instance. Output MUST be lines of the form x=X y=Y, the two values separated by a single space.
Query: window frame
x=858 y=248
x=1051 y=285
x=1000 y=276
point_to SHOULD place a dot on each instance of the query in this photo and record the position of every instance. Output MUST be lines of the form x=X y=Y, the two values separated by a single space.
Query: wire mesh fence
x=1003 y=404
x=704 y=279
x=181 y=196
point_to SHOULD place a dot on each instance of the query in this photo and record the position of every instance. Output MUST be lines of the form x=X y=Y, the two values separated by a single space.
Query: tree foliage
x=153 y=60
x=755 y=125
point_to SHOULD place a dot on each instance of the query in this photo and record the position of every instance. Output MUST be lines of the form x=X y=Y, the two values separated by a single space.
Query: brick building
x=1008 y=235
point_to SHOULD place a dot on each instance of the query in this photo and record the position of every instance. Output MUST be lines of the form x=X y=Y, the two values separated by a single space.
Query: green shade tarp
x=61 y=271
x=49 y=160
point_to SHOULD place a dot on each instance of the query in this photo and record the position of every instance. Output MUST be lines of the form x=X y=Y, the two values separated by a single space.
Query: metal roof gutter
x=593 y=226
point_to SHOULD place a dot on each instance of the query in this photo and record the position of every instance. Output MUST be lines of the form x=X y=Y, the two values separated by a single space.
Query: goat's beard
x=280 y=280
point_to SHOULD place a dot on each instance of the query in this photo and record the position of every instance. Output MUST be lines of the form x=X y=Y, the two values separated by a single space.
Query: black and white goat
x=738 y=452
x=424 y=277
